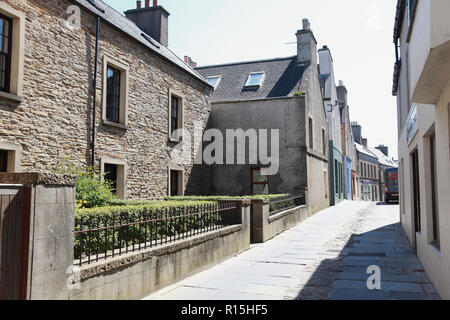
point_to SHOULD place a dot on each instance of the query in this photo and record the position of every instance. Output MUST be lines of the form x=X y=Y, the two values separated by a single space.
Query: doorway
x=416 y=192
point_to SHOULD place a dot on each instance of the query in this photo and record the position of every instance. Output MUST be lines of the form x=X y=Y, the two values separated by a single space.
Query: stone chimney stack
x=306 y=45
x=383 y=149
x=326 y=61
x=357 y=130
x=364 y=142
x=153 y=20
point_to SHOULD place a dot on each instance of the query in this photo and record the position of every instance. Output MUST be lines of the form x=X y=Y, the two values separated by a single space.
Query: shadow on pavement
x=345 y=277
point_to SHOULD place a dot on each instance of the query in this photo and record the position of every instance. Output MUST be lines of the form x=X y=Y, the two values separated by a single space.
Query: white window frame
x=17 y=53
x=121 y=188
x=247 y=84
x=14 y=156
x=219 y=78
x=124 y=91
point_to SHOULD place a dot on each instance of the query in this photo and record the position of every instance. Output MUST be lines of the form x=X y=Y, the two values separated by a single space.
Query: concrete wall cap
x=263 y=201
x=38 y=178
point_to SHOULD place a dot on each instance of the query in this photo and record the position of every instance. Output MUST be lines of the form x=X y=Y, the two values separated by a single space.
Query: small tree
x=91 y=190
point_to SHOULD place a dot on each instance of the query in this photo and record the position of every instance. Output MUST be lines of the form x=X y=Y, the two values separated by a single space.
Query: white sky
x=358 y=32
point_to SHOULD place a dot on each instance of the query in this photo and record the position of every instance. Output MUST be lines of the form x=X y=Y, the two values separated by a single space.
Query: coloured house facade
x=276 y=94
x=348 y=146
x=50 y=99
x=331 y=105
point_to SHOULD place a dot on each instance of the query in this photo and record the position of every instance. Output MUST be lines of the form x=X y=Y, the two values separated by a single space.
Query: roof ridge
x=245 y=62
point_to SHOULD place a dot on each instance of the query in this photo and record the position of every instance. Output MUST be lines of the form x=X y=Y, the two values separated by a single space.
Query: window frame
x=311 y=133
x=180 y=181
x=180 y=115
x=324 y=140
x=14 y=156
x=6 y=87
x=17 y=46
x=123 y=91
x=112 y=95
x=121 y=187
x=247 y=83
x=219 y=78
x=434 y=195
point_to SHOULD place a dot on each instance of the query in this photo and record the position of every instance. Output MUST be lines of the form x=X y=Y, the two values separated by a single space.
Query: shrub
x=217 y=197
x=90 y=190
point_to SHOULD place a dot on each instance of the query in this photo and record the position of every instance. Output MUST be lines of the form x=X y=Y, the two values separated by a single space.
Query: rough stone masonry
x=53 y=122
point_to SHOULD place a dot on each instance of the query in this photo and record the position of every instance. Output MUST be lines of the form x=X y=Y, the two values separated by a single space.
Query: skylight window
x=214 y=81
x=255 y=79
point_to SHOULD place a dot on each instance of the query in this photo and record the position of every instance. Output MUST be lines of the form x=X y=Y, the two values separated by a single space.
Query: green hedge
x=108 y=216
x=216 y=198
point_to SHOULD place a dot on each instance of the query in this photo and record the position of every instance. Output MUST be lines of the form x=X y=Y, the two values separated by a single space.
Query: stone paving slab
x=324 y=257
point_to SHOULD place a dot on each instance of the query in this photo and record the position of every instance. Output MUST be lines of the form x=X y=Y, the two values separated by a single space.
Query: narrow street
x=324 y=257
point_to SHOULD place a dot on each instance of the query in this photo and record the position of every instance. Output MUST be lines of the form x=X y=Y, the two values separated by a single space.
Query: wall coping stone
x=37 y=178
x=261 y=201
x=96 y=269
x=282 y=214
x=239 y=202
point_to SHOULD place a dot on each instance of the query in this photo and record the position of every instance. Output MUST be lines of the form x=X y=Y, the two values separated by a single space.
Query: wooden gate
x=15 y=203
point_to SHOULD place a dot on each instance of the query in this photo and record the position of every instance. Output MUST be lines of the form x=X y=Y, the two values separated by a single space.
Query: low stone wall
x=265 y=226
x=138 y=274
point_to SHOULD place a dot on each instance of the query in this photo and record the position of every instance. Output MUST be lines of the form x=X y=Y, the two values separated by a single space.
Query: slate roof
x=119 y=21
x=282 y=78
x=383 y=159
x=361 y=149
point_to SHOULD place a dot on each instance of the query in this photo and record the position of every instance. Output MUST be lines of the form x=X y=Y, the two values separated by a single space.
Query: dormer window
x=214 y=81
x=255 y=79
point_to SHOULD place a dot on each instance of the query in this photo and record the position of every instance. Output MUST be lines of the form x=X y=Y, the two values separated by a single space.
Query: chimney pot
x=341 y=83
x=306 y=24
x=147 y=3
x=155 y=3
x=139 y=4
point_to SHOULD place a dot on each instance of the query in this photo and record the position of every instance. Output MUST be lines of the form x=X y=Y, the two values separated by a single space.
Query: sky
x=359 y=34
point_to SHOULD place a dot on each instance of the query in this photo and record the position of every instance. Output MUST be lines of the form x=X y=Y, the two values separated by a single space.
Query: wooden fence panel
x=15 y=203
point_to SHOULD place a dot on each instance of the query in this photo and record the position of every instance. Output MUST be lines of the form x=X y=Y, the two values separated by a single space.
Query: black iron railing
x=286 y=203
x=102 y=237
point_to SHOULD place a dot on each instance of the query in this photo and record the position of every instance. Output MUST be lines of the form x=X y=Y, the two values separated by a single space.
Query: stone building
x=422 y=87
x=275 y=94
x=141 y=94
x=369 y=173
x=331 y=105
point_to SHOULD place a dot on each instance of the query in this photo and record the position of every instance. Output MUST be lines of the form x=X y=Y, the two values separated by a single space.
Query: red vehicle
x=391 y=192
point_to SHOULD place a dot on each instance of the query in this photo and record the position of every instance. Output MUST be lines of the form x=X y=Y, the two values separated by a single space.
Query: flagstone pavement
x=324 y=257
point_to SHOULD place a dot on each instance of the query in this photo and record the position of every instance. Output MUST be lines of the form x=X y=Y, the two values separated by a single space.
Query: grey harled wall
x=285 y=114
x=265 y=226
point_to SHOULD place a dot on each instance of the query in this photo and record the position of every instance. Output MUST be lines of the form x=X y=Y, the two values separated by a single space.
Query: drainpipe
x=94 y=104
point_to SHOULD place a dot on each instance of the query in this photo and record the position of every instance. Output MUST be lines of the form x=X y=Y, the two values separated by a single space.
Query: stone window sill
x=4 y=96
x=114 y=124
x=176 y=140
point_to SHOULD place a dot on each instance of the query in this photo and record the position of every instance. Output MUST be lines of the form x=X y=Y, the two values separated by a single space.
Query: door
x=14 y=241
x=416 y=191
